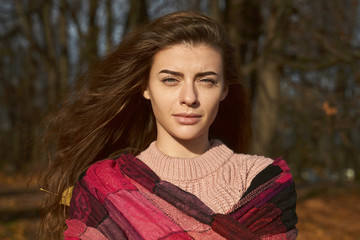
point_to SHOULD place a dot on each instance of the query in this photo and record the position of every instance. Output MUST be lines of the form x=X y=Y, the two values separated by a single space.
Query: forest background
x=299 y=61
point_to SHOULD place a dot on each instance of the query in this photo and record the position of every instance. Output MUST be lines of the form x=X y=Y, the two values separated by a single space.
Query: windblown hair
x=107 y=111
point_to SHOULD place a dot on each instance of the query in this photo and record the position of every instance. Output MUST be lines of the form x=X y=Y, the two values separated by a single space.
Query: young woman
x=164 y=110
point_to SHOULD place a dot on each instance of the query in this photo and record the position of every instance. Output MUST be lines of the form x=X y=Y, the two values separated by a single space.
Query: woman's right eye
x=170 y=81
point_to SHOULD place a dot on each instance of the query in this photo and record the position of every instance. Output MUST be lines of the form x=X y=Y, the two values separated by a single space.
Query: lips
x=187 y=118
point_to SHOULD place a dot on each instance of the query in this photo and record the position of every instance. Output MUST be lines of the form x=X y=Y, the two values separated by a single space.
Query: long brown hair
x=106 y=112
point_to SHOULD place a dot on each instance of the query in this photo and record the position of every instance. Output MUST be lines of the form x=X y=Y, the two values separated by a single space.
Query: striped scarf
x=123 y=198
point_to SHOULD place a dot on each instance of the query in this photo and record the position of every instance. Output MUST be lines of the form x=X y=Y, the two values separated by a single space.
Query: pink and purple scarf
x=123 y=198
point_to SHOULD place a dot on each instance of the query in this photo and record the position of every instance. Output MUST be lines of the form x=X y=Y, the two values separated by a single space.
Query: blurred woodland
x=299 y=60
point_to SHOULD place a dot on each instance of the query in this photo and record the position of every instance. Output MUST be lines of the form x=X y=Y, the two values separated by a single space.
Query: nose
x=188 y=95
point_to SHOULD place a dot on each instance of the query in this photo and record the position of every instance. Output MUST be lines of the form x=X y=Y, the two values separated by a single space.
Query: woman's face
x=186 y=85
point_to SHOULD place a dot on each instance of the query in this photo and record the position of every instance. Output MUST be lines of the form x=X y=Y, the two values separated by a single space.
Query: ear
x=146 y=94
x=224 y=93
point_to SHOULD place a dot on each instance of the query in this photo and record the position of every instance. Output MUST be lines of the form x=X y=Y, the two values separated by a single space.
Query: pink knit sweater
x=219 y=177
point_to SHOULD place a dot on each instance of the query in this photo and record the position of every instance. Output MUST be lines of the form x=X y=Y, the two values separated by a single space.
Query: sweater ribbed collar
x=174 y=169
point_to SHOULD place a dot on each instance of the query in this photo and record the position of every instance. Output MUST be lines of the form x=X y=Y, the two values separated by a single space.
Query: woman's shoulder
x=250 y=162
x=252 y=166
x=262 y=162
x=105 y=177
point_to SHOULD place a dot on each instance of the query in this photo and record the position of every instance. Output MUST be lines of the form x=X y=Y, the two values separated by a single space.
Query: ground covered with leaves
x=329 y=212
x=326 y=211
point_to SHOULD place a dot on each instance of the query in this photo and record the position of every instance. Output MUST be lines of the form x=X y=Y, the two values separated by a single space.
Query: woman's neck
x=183 y=148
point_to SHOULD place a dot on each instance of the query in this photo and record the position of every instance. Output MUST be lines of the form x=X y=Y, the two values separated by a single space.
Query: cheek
x=214 y=110
x=212 y=102
x=160 y=103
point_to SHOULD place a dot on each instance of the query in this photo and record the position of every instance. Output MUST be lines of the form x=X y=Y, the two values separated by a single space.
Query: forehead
x=188 y=57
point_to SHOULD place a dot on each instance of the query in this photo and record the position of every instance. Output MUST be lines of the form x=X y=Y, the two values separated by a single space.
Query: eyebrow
x=179 y=74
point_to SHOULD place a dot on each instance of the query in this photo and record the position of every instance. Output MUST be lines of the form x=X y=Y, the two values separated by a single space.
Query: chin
x=187 y=136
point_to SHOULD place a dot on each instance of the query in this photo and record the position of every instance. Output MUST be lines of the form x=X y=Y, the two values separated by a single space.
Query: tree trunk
x=137 y=14
x=50 y=54
x=267 y=92
x=64 y=58
x=92 y=34
x=215 y=12
x=109 y=26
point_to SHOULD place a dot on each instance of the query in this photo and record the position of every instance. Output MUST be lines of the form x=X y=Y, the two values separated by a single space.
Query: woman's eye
x=208 y=81
x=170 y=81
